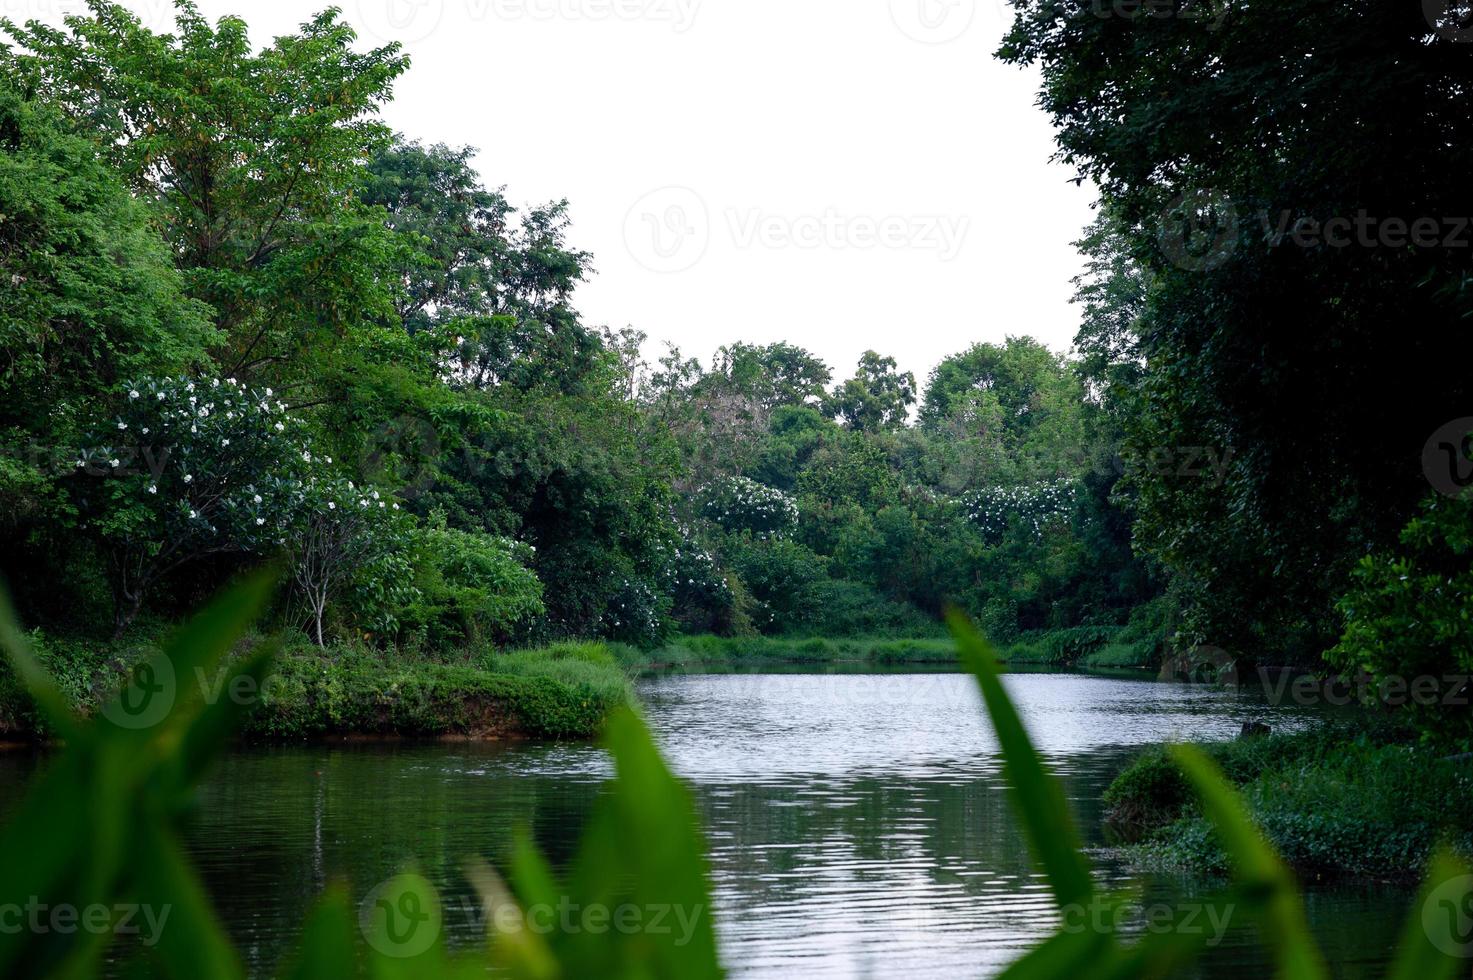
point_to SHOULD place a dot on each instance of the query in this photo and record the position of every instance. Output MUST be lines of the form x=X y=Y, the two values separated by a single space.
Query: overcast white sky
x=841 y=174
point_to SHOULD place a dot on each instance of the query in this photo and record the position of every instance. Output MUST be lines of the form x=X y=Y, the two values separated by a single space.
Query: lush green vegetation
x=266 y=328
x=99 y=828
x=559 y=691
x=1331 y=801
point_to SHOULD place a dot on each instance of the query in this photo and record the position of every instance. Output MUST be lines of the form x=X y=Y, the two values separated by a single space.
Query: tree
x=341 y=534
x=253 y=159
x=1265 y=295
x=185 y=469
x=878 y=397
x=90 y=298
x=498 y=287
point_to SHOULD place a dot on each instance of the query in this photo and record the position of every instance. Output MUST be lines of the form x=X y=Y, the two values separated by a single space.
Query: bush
x=779 y=573
x=842 y=607
x=739 y=503
x=1409 y=614
x=702 y=600
x=1331 y=800
x=474 y=589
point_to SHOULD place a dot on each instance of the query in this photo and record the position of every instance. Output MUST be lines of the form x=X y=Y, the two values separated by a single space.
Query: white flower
x=306 y=457
x=188 y=478
x=214 y=382
x=375 y=495
x=194 y=428
x=269 y=392
x=153 y=489
x=194 y=513
x=189 y=387
x=331 y=505
x=132 y=394
x=260 y=521
x=396 y=506
x=224 y=442
x=381 y=503
x=122 y=425
x=257 y=498
x=329 y=460
x=145 y=430
x=280 y=427
x=161 y=396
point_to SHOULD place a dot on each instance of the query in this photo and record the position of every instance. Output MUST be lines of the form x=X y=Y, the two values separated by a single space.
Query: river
x=857 y=822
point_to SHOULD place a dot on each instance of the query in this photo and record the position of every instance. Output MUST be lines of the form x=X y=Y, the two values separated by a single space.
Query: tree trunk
x=125 y=610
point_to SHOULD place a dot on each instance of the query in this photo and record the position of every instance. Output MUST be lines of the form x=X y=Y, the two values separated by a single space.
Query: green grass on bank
x=1083 y=646
x=561 y=691
x=1368 y=802
x=746 y=651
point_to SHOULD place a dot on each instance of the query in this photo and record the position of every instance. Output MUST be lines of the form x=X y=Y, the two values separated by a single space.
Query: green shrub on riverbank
x=562 y=691
x=1330 y=800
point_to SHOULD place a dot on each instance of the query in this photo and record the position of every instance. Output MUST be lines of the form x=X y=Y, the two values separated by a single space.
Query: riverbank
x=563 y=691
x=1085 y=646
x=1367 y=801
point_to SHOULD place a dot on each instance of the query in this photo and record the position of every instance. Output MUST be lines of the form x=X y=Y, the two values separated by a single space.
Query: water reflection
x=858 y=824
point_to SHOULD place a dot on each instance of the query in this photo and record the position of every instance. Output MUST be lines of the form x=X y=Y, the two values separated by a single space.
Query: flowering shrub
x=349 y=542
x=1032 y=505
x=688 y=573
x=187 y=468
x=741 y=504
x=636 y=614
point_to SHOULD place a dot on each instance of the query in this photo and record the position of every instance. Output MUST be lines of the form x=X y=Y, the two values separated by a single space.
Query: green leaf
x=1256 y=866
x=328 y=949
x=1431 y=946
x=1038 y=798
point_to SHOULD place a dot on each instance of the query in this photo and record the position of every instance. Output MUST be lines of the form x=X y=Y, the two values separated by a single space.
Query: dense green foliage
x=1330 y=801
x=1299 y=312
x=1409 y=620
x=309 y=339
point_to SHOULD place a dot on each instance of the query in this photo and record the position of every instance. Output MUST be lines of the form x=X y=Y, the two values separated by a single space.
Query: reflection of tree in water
x=310 y=815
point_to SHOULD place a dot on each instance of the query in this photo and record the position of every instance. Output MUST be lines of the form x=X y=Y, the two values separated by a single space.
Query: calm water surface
x=858 y=822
